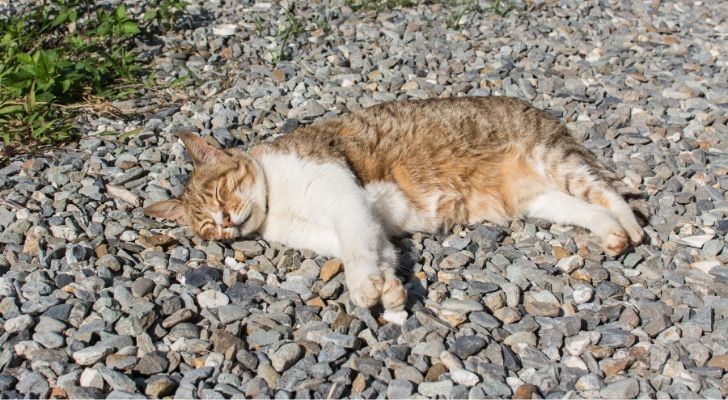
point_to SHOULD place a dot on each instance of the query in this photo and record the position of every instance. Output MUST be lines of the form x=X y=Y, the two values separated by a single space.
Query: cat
x=344 y=186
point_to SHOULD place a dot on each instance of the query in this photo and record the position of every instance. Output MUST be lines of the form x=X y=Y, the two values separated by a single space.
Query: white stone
x=583 y=293
x=578 y=344
x=450 y=361
x=570 y=263
x=395 y=317
x=212 y=299
x=696 y=241
x=705 y=265
x=464 y=377
x=91 y=354
x=25 y=347
x=17 y=324
x=90 y=377
x=224 y=30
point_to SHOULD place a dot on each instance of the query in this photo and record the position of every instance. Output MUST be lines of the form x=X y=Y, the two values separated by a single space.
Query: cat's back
x=375 y=141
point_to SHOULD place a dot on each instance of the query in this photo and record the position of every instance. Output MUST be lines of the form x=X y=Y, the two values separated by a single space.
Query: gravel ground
x=97 y=300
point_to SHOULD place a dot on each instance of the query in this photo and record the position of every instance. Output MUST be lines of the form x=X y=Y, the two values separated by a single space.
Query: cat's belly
x=397 y=214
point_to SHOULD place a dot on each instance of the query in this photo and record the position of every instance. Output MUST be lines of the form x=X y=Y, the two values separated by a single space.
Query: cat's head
x=225 y=197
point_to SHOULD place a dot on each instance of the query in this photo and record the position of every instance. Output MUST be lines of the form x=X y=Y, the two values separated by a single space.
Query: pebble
x=625 y=388
x=432 y=389
x=464 y=377
x=466 y=346
x=542 y=303
x=285 y=356
x=212 y=299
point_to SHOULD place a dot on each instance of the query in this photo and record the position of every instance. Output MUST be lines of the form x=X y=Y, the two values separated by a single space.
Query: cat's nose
x=226 y=222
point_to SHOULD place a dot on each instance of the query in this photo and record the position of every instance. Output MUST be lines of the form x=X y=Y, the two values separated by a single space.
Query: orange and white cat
x=343 y=187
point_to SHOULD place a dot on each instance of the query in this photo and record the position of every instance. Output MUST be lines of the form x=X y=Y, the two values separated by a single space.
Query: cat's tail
x=578 y=172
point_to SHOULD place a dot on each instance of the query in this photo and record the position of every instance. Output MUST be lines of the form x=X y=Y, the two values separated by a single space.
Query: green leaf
x=24 y=58
x=120 y=12
x=38 y=132
x=10 y=109
x=149 y=15
x=130 y=28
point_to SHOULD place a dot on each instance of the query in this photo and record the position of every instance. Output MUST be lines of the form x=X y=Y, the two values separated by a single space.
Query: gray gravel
x=97 y=300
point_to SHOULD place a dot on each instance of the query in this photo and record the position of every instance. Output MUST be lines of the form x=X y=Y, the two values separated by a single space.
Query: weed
x=496 y=9
x=463 y=8
x=292 y=28
x=59 y=54
x=379 y=5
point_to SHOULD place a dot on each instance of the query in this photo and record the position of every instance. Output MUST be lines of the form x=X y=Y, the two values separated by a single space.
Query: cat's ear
x=200 y=150
x=172 y=210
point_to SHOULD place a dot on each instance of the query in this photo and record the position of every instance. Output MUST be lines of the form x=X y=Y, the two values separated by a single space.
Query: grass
x=378 y=5
x=60 y=58
x=463 y=8
x=292 y=28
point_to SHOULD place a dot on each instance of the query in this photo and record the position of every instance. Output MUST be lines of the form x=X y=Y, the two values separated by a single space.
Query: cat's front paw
x=366 y=292
x=615 y=242
x=394 y=295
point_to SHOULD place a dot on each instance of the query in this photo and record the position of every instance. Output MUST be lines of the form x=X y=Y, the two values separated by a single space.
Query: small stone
x=432 y=389
x=582 y=293
x=525 y=391
x=696 y=241
x=454 y=261
x=308 y=109
x=434 y=372
x=285 y=356
x=141 y=287
x=330 y=269
x=17 y=324
x=90 y=355
x=159 y=386
x=231 y=312
x=177 y=317
x=152 y=363
x=212 y=299
x=570 y=263
x=521 y=337
x=507 y=315
x=399 y=389
x=465 y=346
x=542 y=304
x=90 y=377
x=395 y=317
x=33 y=385
x=627 y=388
x=464 y=377
x=117 y=380
x=589 y=382
x=462 y=306
x=224 y=30
x=719 y=361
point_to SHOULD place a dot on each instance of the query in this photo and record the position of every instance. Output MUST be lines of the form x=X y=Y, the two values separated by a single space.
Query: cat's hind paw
x=394 y=295
x=366 y=292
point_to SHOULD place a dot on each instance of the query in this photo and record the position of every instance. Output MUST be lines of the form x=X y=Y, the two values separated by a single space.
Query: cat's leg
x=394 y=294
x=560 y=207
x=615 y=203
x=359 y=235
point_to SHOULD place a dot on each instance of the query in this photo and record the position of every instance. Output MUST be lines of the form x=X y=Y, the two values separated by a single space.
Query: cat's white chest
x=304 y=199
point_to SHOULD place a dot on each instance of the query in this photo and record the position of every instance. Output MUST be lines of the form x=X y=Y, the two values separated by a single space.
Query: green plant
x=59 y=56
x=379 y=5
x=496 y=9
x=293 y=27
x=462 y=8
